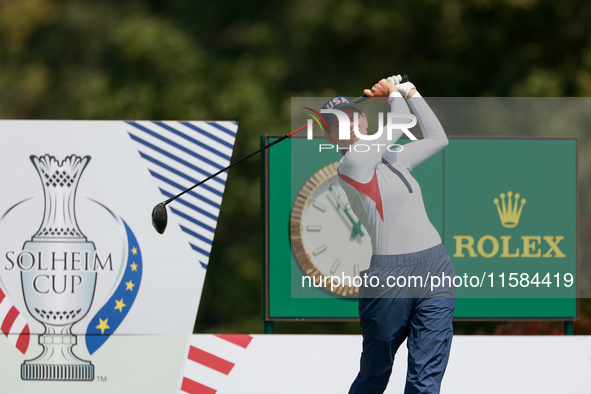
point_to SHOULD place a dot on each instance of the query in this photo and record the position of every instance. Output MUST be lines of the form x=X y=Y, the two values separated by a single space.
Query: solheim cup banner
x=89 y=291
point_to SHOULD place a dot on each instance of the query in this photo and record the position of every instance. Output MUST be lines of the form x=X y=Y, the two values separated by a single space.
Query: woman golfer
x=407 y=249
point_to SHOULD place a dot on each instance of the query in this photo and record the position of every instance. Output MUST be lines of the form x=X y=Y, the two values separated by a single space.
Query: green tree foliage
x=178 y=59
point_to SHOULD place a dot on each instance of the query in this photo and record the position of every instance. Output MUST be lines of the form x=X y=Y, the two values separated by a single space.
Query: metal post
x=268 y=327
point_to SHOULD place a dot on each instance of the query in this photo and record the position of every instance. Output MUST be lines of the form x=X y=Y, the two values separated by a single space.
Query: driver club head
x=159 y=217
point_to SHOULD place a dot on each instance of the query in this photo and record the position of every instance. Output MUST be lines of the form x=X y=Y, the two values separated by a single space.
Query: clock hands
x=356 y=225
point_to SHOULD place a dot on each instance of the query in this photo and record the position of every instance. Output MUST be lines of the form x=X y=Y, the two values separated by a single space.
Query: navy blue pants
x=390 y=314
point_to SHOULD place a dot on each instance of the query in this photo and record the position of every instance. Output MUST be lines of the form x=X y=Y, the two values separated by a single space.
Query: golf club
x=160 y=214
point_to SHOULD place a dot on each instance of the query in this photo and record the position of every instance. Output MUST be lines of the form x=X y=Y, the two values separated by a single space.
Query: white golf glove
x=395 y=79
x=404 y=88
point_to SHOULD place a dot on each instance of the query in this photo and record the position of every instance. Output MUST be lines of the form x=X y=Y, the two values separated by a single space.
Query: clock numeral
x=334 y=267
x=313 y=228
x=319 y=206
x=319 y=250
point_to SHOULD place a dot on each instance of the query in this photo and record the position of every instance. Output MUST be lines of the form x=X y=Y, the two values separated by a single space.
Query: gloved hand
x=404 y=88
x=395 y=79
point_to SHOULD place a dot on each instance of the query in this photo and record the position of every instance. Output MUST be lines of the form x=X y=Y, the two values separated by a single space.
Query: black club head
x=159 y=217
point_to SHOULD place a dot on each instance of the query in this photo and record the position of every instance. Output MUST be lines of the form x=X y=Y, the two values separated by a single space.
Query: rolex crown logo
x=509 y=211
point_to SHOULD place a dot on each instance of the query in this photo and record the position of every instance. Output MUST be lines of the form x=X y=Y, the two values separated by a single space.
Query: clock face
x=327 y=239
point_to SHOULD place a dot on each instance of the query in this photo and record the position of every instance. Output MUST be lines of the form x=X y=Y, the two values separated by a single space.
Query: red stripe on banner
x=192 y=387
x=241 y=340
x=23 y=340
x=9 y=319
x=209 y=360
x=1 y=295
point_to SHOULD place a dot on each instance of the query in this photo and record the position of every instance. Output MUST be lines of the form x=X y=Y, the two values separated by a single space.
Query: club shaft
x=356 y=101
x=230 y=166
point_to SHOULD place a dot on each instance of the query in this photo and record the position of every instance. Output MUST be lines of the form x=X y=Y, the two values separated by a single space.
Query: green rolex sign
x=510 y=209
x=505 y=209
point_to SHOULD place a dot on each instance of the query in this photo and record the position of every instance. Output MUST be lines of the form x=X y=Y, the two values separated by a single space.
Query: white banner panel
x=295 y=364
x=79 y=258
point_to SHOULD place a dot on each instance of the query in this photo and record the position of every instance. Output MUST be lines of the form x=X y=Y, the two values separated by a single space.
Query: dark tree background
x=244 y=60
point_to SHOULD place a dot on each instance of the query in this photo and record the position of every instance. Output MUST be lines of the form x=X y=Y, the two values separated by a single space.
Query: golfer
x=407 y=249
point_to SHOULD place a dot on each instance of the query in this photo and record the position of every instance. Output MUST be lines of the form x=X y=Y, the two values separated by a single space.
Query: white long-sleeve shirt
x=382 y=192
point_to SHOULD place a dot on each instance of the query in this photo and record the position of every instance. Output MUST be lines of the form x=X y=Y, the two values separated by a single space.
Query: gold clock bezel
x=295 y=232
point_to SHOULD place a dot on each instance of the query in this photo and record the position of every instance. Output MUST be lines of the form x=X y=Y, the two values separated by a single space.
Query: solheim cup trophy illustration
x=57 y=273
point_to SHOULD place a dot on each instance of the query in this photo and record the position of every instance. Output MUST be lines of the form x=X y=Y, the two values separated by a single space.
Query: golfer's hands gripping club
x=404 y=87
x=395 y=79
x=389 y=85
x=381 y=89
